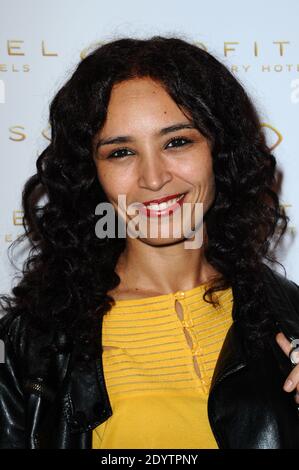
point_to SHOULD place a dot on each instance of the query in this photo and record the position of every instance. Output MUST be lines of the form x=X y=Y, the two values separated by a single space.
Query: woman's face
x=138 y=157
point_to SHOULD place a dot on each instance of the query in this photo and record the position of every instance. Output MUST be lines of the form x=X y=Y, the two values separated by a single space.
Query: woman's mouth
x=163 y=208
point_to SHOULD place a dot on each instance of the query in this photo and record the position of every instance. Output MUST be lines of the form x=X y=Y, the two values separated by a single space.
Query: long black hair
x=69 y=271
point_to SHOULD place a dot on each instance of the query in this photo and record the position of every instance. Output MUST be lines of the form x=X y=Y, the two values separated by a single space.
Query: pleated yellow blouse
x=159 y=370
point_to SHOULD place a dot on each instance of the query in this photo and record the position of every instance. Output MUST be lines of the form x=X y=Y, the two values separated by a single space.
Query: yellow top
x=159 y=369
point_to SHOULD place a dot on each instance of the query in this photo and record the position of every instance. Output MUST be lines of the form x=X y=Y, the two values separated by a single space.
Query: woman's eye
x=176 y=142
x=118 y=153
x=180 y=140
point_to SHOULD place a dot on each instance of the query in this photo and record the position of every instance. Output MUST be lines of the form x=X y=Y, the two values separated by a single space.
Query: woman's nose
x=153 y=174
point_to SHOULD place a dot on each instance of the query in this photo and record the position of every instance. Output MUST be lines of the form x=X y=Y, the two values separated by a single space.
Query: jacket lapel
x=87 y=402
x=232 y=356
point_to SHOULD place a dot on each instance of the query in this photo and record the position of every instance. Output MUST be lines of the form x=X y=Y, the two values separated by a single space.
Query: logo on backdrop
x=17 y=49
x=272 y=133
x=281 y=49
x=295 y=91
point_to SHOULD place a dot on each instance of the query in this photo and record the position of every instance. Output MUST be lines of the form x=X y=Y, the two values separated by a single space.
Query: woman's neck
x=162 y=269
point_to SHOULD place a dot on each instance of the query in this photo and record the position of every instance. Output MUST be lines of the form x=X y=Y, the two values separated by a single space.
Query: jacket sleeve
x=12 y=403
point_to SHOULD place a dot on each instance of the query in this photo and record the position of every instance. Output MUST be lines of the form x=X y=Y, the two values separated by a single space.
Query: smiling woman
x=165 y=157
x=142 y=341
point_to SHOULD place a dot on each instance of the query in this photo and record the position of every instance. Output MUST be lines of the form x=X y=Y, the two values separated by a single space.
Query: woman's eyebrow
x=127 y=138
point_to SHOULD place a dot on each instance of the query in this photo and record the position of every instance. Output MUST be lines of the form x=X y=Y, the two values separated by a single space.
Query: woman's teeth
x=164 y=205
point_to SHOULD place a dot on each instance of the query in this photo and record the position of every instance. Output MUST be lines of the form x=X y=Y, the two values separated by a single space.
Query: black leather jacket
x=56 y=402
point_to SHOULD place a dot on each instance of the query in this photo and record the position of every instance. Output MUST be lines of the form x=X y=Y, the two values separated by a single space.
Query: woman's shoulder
x=23 y=339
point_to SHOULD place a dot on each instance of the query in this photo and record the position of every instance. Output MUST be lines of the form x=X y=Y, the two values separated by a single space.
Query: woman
x=144 y=341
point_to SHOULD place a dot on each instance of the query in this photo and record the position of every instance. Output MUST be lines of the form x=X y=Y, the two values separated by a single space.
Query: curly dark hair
x=69 y=271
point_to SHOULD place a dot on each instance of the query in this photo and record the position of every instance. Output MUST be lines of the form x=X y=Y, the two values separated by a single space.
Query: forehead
x=140 y=101
x=137 y=88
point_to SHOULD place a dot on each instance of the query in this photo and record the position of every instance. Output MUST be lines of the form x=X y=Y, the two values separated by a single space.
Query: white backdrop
x=41 y=42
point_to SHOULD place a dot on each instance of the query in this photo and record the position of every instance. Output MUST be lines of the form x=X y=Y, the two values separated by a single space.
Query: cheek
x=199 y=172
x=112 y=182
